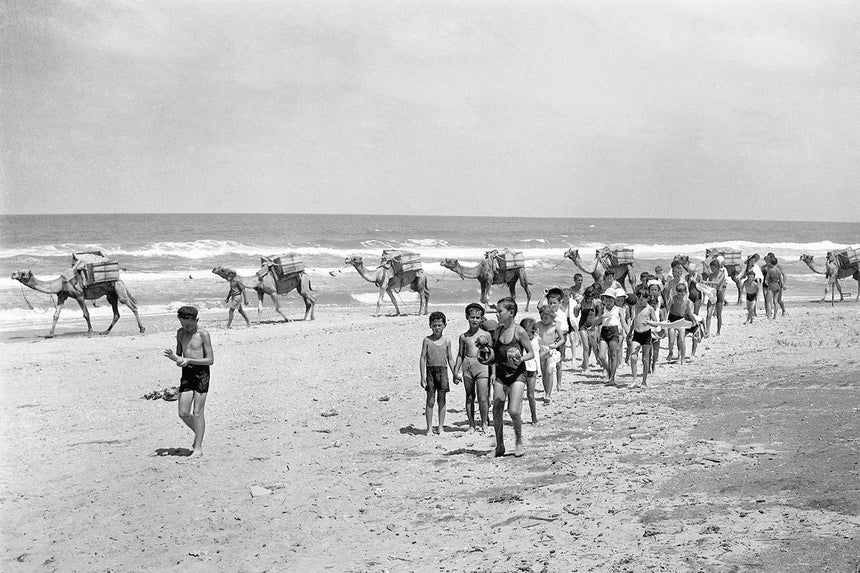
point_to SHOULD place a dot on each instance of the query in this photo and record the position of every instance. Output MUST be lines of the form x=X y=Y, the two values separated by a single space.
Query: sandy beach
x=744 y=460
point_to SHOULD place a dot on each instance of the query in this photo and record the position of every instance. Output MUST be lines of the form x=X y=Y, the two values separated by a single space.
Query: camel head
x=224 y=272
x=354 y=260
x=683 y=259
x=804 y=258
x=22 y=276
x=449 y=264
x=571 y=254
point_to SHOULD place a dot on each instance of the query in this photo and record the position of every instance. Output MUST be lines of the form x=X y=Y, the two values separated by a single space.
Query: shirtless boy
x=551 y=340
x=235 y=298
x=751 y=287
x=436 y=358
x=476 y=376
x=644 y=317
x=194 y=355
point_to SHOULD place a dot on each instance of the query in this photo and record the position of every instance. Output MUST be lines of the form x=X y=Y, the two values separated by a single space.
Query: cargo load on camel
x=284 y=266
x=401 y=261
x=505 y=260
x=616 y=257
x=732 y=256
x=848 y=257
x=93 y=267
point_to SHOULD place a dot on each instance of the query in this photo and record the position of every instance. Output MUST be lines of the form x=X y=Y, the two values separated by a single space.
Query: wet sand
x=745 y=459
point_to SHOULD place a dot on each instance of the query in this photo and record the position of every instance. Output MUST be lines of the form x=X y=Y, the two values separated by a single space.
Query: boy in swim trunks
x=436 y=358
x=751 y=287
x=612 y=327
x=234 y=299
x=476 y=376
x=553 y=299
x=551 y=339
x=194 y=355
x=645 y=316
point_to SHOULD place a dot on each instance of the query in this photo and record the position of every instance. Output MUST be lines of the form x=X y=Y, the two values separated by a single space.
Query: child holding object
x=530 y=326
x=551 y=339
x=474 y=374
x=436 y=359
x=194 y=355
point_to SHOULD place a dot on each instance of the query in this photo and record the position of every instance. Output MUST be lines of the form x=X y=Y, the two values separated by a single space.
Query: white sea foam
x=432 y=249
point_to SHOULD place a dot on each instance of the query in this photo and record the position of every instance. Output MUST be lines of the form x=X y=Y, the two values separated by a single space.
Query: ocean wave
x=429 y=249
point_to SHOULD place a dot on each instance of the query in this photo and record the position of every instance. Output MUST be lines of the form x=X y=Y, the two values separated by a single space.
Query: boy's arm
x=451 y=361
x=525 y=343
x=208 y=355
x=422 y=363
x=461 y=353
x=174 y=355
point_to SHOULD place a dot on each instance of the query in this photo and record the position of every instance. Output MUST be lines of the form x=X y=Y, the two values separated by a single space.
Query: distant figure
x=235 y=296
x=589 y=310
x=530 y=326
x=476 y=376
x=436 y=358
x=194 y=355
x=551 y=339
x=751 y=287
x=832 y=273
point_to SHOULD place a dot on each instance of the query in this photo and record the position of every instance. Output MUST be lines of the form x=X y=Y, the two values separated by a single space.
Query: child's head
x=642 y=295
x=553 y=298
x=474 y=314
x=187 y=312
x=608 y=298
x=750 y=274
x=529 y=325
x=658 y=270
x=577 y=279
x=437 y=322
x=547 y=315
x=508 y=305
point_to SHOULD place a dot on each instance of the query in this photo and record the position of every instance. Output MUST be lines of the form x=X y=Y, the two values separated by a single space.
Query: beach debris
x=504 y=498
x=258 y=491
x=329 y=413
x=572 y=510
x=169 y=394
x=385 y=398
x=22 y=558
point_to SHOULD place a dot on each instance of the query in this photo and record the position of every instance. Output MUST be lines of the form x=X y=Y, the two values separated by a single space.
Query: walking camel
x=267 y=285
x=597 y=268
x=388 y=281
x=487 y=277
x=852 y=271
x=115 y=292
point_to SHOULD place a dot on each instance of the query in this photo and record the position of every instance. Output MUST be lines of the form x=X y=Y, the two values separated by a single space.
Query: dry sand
x=744 y=460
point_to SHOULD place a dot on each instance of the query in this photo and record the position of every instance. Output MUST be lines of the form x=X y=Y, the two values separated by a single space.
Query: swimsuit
x=505 y=373
x=195 y=378
x=752 y=296
x=695 y=295
x=643 y=337
x=437 y=378
x=473 y=369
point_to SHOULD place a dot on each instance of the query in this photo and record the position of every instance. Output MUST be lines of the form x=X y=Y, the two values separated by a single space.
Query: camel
x=115 y=292
x=267 y=285
x=734 y=271
x=852 y=271
x=487 y=277
x=385 y=278
x=596 y=268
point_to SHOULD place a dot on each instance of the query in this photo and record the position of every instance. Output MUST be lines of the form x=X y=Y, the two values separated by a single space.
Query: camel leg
x=83 y=304
x=61 y=299
x=485 y=294
x=260 y=295
x=739 y=284
x=114 y=304
x=274 y=297
x=125 y=298
x=393 y=301
x=524 y=282
x=310 y=301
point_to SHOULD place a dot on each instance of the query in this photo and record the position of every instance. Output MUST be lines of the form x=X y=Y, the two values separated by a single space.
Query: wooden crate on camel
x=617 y=257
x=401 y=261
x=849 y=257
x=505 y=260
x=284 y=266
x=732 y=256
x=93 y=267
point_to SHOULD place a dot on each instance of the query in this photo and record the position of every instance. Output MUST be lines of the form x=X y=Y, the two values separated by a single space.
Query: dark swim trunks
x=643 y=337
x=608 y=333
x=194 y=378
x=437 y=379
x=752 y=296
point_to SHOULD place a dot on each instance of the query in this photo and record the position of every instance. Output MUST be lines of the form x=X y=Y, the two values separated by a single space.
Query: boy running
x=645 y=316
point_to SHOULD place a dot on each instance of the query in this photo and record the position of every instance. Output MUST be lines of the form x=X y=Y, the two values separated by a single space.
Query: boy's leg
x=633 y=361
x=515 y=408
x=186 y=401
x=558 y=372
x=440 y=399
x=646 y=363
x=586 y=348
x=655 y=354
x=428 y=408
x=531 y=379
x=199 y=422
x=612 y=359
x=469 y=386
x=482 y=385
x=682 y=346
x=245 y=316
x=230 y=317
x=547 y=378
x=499 y=396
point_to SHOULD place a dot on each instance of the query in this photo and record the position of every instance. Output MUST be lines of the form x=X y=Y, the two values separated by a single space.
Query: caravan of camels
x=93 y=275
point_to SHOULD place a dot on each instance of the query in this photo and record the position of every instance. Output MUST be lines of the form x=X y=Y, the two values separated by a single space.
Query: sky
x=676 y=109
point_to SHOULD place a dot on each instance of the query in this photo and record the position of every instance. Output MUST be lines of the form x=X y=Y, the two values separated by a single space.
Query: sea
x=167 y=259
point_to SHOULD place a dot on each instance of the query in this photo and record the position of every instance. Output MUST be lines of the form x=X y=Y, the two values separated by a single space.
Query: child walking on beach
x=551 y=340
x=751 y=287
x=194 y=355
x=530 y=326
x=235 y=297
x=436 y=359
x=645 y=316
x=476 y=376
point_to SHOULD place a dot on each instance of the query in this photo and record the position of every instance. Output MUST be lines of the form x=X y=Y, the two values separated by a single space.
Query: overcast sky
x=739 y=110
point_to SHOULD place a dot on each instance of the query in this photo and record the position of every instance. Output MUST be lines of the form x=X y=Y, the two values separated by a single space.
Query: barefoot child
x=476 y=376
x=530 y=326
x=235 y=297
x=551 y=339
x=751 y=287
x=645 y=316
x=194 y=355
x=554 y=297
x=612 y=328
x=436 y=358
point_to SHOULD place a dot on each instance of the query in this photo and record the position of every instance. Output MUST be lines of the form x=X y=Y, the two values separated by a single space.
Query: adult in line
x=512 y=347
x=778 y=297
x=773 y=276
